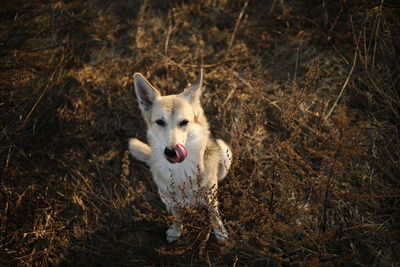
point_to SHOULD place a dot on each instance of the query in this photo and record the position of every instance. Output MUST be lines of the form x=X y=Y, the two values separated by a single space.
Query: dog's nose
x=170 y=153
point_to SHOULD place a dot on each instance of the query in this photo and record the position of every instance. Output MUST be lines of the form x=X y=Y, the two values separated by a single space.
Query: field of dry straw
x=307 y=93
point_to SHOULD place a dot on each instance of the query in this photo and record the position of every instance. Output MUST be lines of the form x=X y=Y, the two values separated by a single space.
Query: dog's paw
x=172 y=235
x=221 y=234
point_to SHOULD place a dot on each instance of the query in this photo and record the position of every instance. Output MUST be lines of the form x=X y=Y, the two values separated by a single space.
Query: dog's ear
x=145 y=92
x=193 y=92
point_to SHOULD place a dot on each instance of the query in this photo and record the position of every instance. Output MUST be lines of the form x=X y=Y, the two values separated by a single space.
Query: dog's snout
x=169 y=152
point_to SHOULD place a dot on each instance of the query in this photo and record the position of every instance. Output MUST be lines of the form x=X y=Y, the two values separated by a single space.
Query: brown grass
x=307 y=187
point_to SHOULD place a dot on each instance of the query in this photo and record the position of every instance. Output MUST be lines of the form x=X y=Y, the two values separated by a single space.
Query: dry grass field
x=307 y=93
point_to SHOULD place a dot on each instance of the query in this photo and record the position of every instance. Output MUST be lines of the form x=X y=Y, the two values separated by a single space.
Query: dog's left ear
x=145 y=92
x=193 y=92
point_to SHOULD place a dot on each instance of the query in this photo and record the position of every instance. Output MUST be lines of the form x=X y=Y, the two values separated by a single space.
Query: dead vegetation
x=306 y=92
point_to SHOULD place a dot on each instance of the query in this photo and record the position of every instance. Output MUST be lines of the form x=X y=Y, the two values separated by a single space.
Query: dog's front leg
x=216 y=222
x=174 y=232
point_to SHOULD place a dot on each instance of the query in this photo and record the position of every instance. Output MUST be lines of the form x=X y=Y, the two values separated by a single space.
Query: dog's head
x=174 y=120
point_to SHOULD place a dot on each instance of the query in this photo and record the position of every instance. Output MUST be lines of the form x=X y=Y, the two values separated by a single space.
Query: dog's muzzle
x=177 y=154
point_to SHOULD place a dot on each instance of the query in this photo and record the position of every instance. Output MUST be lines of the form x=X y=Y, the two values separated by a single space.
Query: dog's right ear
x=145 y=92
x=193 y=92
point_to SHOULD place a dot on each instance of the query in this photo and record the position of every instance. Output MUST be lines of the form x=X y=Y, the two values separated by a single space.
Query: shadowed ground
x=305 y=92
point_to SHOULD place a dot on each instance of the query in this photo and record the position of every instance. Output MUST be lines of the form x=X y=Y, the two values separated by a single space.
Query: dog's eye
x=160 y=122
x=183 y=123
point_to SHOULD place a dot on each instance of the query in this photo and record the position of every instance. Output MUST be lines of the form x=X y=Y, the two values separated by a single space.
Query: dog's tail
x=140 y=150
x=225 y=159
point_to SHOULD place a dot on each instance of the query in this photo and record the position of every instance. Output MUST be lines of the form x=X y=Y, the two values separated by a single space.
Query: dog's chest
x=178 y=182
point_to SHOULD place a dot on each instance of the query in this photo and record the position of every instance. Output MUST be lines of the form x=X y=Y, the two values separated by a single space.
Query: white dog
x=184 y=160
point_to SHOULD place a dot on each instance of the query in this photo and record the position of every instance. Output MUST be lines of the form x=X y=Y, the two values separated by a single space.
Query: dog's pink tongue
x=181 y=153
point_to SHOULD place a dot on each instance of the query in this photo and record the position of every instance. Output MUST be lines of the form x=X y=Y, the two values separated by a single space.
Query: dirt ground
x=305 y=92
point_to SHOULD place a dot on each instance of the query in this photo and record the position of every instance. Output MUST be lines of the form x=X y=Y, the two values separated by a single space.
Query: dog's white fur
x=207 y=161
